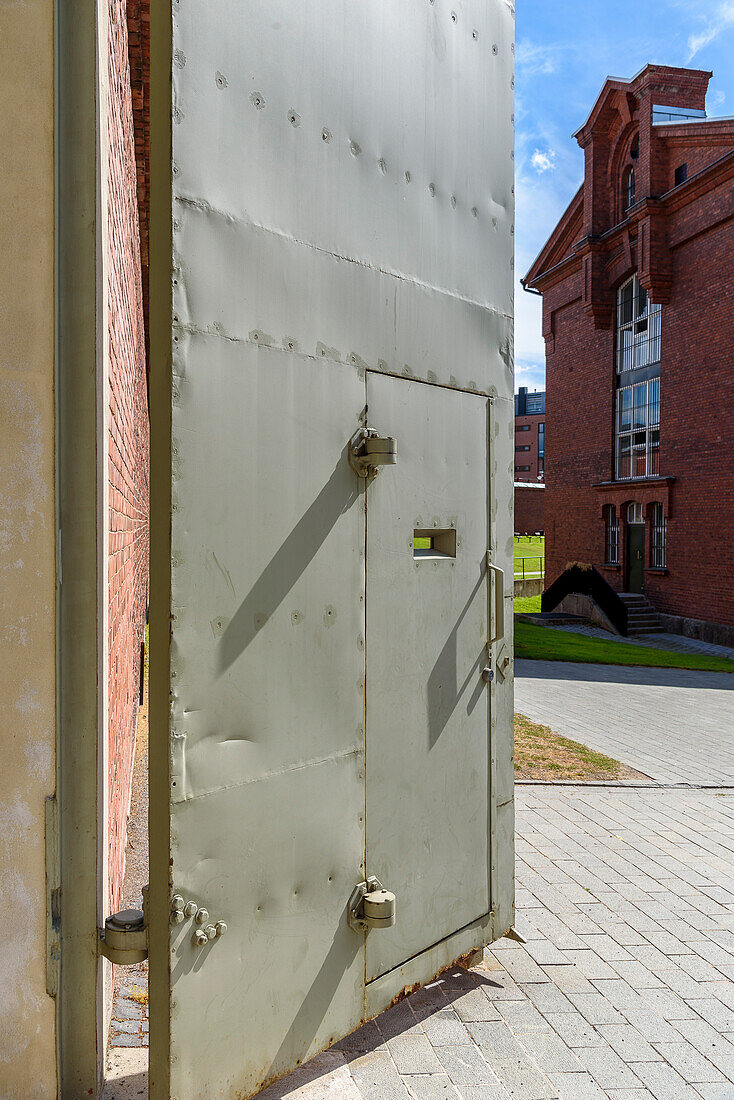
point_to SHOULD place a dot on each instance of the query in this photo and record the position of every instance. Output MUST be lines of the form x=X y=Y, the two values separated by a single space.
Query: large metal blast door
x=332 y=206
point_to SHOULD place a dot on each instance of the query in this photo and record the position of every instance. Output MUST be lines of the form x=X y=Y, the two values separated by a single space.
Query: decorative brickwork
x=680 y=241
x=128 y=440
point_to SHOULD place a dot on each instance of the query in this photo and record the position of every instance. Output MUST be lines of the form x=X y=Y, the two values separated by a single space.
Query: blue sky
x=565 y=51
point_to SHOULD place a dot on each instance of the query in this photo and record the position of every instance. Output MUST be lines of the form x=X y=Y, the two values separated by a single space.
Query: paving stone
x=126 y=1010
x=547 y=998
x=361 y=1041
x=691 y=1065
x=446 y=1029
x=398 y=1020
x=495 y=1040
x=413 y=1054
x=484 y=1092
x=475 y=1005
x=628 y=1043
x=590 y=964
x=714 y=1012
x=550 y=1053
x=716 y=1092
x=523 y=1081
x=465 y=1065
x=575 y=1030
x=668 y=1004
x=663 y=1082
x=606 y=1067
x=576 y=1086
x=377 y=1078
x=126 y=1041
x=595 y=1008
x=129 y=1027
x=522 y=1017
x=433 y=1087
x=501 y=987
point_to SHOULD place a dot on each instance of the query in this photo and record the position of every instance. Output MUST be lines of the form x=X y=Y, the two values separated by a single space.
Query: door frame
x=77 y=892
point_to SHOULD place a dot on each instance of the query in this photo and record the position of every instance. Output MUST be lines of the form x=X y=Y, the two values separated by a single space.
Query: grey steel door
x=635 y=557
x=338 y=199
x=428 y=749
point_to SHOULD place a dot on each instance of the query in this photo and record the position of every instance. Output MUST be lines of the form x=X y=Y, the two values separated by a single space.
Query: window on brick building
x=523 y=447
x=522 y=469
x=629 y=188
x=639 y=325
x=681 y=174
x=611 y=535
x=638 y=430
x=522 y=428
x=659 y=540
x=541 y=439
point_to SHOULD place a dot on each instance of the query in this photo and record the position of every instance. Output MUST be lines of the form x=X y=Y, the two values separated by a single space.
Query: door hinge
x=124 y=938
x=371 y=906
x=368 y=450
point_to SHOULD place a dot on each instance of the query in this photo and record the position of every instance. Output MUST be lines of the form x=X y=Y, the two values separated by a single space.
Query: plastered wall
x=27 y=541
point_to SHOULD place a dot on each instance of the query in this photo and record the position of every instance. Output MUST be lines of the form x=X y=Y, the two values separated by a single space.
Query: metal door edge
x=421 y=969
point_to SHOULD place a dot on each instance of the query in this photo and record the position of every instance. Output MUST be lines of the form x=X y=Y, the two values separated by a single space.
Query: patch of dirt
x=542 y=754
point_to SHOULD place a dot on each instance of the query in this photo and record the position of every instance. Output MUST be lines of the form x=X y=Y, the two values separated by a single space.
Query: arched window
x=611 y=535
x=629 y=188
x=659 y=541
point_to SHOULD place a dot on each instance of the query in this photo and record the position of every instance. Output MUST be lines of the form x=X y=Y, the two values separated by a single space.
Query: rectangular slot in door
x=434 y=543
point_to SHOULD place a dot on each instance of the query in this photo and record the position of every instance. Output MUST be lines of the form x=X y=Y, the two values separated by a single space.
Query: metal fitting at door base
x=371 y=906
x=124 y=938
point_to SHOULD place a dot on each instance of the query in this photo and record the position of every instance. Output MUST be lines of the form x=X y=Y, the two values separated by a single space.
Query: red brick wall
x=529 y=510
x=128 y=445
x=529 y=439
x=695 y=228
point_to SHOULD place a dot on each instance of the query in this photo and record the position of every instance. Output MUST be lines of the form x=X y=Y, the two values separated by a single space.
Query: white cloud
x=543 y=162
x=535 y=60
x=716 y=99
x=723 y=19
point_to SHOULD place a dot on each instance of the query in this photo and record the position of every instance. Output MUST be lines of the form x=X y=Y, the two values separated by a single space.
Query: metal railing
x=532 y=568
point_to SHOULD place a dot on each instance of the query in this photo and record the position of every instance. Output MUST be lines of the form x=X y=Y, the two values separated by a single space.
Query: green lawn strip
x=541 y=643
x=526 y=605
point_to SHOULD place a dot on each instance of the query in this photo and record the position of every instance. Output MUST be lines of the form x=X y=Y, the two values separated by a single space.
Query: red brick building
x=638 y=318
x=529 y=435
x=125 y=264
x=529 y=508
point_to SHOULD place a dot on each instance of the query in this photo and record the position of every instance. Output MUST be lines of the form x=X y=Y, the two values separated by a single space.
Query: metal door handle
x=499 y=602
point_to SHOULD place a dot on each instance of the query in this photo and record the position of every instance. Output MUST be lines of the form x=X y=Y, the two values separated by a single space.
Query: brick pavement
x=624 y=990
x=674 y=725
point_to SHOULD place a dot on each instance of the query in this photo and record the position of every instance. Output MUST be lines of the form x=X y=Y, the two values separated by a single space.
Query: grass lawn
x=531 y=549
x=545 y=644
x=526 y=605
x=542 y=754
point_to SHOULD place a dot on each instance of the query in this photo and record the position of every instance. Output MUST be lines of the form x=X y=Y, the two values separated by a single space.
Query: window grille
x=639 y=327
x=659 y=548
x=638 y=430
x=611 y=549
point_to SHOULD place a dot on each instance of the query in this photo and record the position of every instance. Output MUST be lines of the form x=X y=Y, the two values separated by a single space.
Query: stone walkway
x=677 y=643
x=624 y=990
x=675 y=726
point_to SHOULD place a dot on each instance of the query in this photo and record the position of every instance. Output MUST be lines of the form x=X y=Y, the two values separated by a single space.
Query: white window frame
x=637 y=444
x=611 y=535
x=639 y=327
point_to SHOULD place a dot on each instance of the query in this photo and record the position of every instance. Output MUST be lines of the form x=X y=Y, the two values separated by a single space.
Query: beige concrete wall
x=27 y=540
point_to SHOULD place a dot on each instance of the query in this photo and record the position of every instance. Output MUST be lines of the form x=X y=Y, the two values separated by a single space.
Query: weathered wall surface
x=128 y=441
x=27 y=542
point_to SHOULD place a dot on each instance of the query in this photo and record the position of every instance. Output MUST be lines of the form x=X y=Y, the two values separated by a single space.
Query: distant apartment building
x=637 y=282
x=529 y=435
